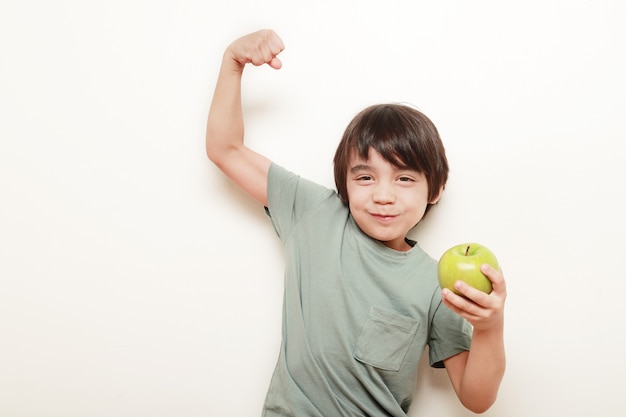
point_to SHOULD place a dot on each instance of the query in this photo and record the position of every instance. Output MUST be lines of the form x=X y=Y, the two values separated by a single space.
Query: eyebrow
x=360 y=167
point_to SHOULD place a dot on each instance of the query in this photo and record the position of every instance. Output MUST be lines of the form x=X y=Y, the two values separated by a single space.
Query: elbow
x=219 y=148
x=215 y=157
x=210 y=149
x=219 y=154
x=479 y=410
x=479 y=406
x=213 y=151
x=211 y=154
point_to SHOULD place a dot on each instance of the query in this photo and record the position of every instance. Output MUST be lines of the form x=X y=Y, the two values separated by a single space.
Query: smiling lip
x=383 y=217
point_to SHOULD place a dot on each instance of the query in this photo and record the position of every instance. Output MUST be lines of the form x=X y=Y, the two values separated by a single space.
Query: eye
x=406 y=179
x=364 y=178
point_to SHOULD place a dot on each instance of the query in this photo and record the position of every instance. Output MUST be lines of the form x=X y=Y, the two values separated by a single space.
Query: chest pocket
x=385 y=339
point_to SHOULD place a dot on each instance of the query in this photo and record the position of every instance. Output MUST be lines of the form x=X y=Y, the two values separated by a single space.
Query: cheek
x=416 y=203
x=350 y=194
x=356 y=195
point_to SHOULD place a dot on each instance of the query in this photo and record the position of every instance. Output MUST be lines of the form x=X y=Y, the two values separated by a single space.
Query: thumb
x=275 y=63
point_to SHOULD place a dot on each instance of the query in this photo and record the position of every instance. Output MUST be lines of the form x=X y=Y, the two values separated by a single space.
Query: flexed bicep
x=225 y=128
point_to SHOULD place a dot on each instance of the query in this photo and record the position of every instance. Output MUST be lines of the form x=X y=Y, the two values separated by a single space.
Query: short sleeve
x=450 y=333
x=289 y=198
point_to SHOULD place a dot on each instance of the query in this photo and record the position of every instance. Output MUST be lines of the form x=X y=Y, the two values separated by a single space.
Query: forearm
x=476 y=374
x=485 y=367
x=225 y=128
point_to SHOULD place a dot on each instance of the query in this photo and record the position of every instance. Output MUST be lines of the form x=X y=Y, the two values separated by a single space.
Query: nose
x=384 y=194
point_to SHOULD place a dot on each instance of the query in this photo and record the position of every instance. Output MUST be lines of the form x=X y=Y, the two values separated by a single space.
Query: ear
x=436 y=199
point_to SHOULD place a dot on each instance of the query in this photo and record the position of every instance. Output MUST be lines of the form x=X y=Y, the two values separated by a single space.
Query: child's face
x=385 y=201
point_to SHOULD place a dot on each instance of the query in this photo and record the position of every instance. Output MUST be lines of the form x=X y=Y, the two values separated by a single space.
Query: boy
x=361 y=300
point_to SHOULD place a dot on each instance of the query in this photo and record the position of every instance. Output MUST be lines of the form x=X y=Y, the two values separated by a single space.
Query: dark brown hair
x=402 y=135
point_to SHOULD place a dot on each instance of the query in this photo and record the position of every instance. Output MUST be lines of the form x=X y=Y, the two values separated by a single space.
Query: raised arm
x=225 y=129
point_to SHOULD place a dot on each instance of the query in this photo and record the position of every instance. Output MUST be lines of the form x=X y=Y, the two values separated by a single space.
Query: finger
x=276 y=44
x=496 y=277
x=268 y=45
x=260 y=55
x=472 y=295
x=268 y=54
x=271 y=49
x=461 y=305
x=257 y=48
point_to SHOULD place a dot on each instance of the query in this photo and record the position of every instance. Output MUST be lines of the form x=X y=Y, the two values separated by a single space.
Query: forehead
x=357 y=159
x=373 y=160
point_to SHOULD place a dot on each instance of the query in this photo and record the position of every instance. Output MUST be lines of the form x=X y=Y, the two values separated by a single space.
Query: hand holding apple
x=463 y=262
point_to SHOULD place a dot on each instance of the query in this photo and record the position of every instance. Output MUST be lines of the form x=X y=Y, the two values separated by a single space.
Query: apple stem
x=467 y=250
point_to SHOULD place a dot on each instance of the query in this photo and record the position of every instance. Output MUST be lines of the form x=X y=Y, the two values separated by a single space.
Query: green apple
x=463 y=262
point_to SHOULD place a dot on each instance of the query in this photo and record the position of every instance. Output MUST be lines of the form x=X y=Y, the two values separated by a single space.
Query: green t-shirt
x=357 y=315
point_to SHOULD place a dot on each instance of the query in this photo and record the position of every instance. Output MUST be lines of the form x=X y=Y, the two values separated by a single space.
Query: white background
x=135 y=280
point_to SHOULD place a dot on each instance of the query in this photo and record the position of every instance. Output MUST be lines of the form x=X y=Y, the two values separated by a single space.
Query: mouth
x=383 y=217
